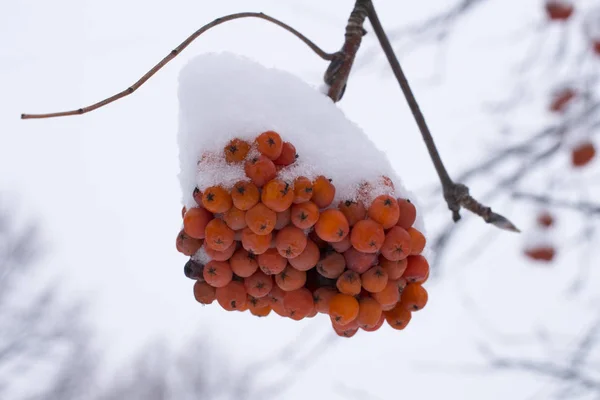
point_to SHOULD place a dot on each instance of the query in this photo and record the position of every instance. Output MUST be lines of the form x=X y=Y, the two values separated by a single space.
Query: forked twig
x=456 y=194
x=324 y=55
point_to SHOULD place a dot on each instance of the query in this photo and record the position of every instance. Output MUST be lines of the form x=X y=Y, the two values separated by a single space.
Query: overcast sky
x=104 y=185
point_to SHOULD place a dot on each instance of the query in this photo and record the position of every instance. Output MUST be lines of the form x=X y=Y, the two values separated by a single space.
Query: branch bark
x=339 y=69
x=456 y=194
x=174 y=53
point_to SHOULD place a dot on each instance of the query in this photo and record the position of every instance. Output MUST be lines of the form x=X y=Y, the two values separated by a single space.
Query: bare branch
x=456 y=194
x=338 y=71
x=174 y=53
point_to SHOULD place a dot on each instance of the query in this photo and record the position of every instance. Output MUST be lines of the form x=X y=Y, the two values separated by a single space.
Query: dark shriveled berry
x=194 y=270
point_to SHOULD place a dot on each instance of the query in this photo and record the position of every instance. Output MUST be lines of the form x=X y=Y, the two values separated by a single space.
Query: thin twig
x=585 y=207
x=339 y=69
x=456 y=194
x=324 y=55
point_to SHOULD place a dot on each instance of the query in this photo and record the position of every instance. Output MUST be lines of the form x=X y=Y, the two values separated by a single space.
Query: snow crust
x=224 y=96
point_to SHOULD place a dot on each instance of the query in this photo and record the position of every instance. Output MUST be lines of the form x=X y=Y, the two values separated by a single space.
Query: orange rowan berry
x=218 y=235
x=277 y=195
x=279 y=309
x=394 y=269
x=245 y=195
x=374 y=280
x=256 y=244
x=417 y=241
x=283 y=219
x=221 y=255
x=290 y=241
x=235 y=218
x=322 y=297
x=377 y=325
x=236 y=150
x=195 y=221
x=384 y=210
x=347 y=333
x=299 y=303
x=347 y=330
x=275 y=296
x=354 y=211
x=183 y=211
x=271 y=262
x=369 y=312
x=408 y=213
x=401 y=285
x=559 y=11
x=260 y=170
x=261 y=219
x=389 y=295
x=303 y=189
x=358 y=261
x=332 y=265
x=545 y=219
x=542 y=253
x=243 y=263
x=288 y=155
x=304 y=215
x=217 y=273
x=258 y=284
x=204 y=293
x=562 y=99
x=260 y=312
x=257 y=302
x=233 y=296
x=367 y=236
x=290 y=279
x=349 y=283
x=414 y=297
x=216 y=199
x=307 y=259
x=425 y=279
x=417 y=269
x=398 y=317
x=269 y=144
x=332 y=226
x=397 y=244
x=343 y=308
x=342 y=245
x=583 y=154
x=186 y=244
x=323 y=192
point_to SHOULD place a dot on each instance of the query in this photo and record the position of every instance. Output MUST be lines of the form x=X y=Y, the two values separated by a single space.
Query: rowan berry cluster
x=268 y=244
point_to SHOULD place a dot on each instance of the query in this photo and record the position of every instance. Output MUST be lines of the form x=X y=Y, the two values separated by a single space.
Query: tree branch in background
x=582 y=206
x=456 y=194
x=324 y=55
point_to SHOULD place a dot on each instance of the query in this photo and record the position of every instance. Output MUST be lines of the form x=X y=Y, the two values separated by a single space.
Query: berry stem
x=456 y=194
x=174 y=53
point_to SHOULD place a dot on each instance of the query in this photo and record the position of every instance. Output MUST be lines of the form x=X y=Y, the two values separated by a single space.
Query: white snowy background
x=104 y=189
